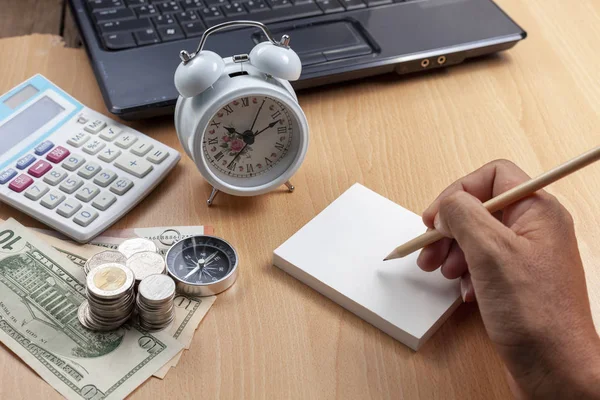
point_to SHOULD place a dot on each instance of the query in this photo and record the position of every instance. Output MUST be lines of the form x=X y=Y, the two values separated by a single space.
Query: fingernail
x=436 y=222
x=464 y=289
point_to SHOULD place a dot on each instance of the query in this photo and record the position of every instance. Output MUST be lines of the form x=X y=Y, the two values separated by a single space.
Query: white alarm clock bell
x=238 y=118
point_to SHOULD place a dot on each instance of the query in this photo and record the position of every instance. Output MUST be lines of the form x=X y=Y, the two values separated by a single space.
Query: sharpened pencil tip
x=385 y=259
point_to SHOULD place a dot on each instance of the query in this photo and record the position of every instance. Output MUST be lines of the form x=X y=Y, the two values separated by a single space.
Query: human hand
x=523 y=267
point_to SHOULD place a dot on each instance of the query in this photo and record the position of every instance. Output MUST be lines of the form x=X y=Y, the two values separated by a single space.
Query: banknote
x=40 y=293
x=164 y=237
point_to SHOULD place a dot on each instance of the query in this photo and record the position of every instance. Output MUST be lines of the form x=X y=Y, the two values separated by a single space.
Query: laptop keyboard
x=123 y=24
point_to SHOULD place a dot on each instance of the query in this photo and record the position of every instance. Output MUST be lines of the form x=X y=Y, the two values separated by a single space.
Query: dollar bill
x=164 y=237
x=40 y=293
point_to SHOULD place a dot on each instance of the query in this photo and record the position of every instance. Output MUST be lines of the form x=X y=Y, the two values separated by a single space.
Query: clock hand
x=272 y=124
x=257 y=114
x=232 y=130
x=237 y=155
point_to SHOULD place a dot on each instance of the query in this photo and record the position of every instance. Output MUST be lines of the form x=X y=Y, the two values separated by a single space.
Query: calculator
x=71 y=167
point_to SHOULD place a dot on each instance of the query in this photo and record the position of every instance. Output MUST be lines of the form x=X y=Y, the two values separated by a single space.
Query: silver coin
x=137 y=245
x=110 y=281
x=104 y=257
x=146 y=263
x=157 y=288
x=81 y=314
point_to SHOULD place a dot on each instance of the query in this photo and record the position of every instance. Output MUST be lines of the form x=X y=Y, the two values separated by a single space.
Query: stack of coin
x=155 y=302
x=104 y=257
x=111 y=300
x=137 y=245
x=144 y=264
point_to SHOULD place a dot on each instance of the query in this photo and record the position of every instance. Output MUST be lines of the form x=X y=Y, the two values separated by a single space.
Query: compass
x=202 y=265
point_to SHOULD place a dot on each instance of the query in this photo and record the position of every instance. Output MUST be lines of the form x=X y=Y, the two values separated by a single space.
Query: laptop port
x=425 y=63
x=441 y=60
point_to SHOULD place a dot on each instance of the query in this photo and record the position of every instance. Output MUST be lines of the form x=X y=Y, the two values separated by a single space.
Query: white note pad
x=340 y=254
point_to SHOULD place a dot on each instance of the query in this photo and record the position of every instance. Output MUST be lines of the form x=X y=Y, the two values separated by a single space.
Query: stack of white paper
x=340 y=254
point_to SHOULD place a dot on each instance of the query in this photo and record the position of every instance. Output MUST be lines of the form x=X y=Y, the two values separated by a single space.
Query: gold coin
x=110 y=278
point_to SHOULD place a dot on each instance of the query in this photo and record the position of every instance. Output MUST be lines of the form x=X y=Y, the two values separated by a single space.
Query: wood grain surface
x=271 y=337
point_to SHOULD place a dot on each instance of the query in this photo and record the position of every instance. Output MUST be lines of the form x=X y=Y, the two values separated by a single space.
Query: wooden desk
x=271 y=337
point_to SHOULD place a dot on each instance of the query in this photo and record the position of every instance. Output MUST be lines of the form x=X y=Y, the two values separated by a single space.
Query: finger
x=482 y=237
x=488 y=181
x=467 y=291
x=455 y=264
x=433 y=256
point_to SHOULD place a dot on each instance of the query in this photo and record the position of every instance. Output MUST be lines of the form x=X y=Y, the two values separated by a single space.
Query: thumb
x=482 y=238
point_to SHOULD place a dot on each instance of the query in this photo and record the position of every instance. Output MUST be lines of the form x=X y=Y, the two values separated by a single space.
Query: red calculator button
x=20 y=183
x=58 y=154
x=39 y=168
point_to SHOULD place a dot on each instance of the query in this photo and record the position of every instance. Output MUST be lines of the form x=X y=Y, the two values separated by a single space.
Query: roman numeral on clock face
x=219 y=155
x=249 y=168
x=215 y=124
x=228 y=109
x=268 y=161
x=279 y=146
x=282 y=130
x=231 y=166
x=276 y=115
x=213 y=141
x=245 y=101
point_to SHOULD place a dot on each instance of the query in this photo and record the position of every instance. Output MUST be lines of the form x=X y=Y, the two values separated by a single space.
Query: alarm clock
x=238 y=118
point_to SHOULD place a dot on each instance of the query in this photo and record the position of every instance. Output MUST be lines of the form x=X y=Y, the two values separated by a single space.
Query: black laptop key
x=300 y=2
x=135 y=3
x=234 y=9
x=216 y=3
x=146 y=11
x=114 y=14
x=193 y=28
x=121 y=26
x=353 y=4
x=276 y=15
x=255 y=6
x=193 y=4
x=164 y=20
x=168 y=33
x=280 y=4
x=146 y=36
x=117 y=41
x=211 y=13
x=187 y=16
x=330 y=6
x=100 y=4
x=169 y=7
x=374 y=3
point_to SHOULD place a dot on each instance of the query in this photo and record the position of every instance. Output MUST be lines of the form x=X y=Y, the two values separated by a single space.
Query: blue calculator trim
x=42 y=84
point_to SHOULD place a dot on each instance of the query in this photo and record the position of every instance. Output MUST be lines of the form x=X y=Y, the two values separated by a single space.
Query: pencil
x=505 y=199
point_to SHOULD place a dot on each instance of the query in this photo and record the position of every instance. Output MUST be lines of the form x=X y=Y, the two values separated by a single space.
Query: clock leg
x=289 y=185
x=213 y=194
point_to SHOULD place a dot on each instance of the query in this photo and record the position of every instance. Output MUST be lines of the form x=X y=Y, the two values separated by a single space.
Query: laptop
x=134 y=44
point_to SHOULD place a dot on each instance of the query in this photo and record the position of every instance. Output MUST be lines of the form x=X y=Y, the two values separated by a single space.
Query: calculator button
x=110 y=132
x=121 y=186
x=89 y=170
x=85 y=217
x=141 y=148
x=43 y=147
x=58 y=154
x=52 y=199
x=71 y=184
x=20 y=183
x=104 y=201
x=95 y=126
x=7 y=175
x=94 y=146
x=109 y=154
x=82 y=119
x=126 y=140
x=87 y=193
x=78 y=139
x=25 y=161
x=105 y=178
x=36 y=191
x=134 y=165
x=55 y=176
x=39 y=168
x=73 y=162
x=157 y=156
x=68 y=208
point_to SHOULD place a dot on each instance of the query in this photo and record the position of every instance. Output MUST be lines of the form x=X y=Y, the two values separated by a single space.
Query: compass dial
x=202 y=261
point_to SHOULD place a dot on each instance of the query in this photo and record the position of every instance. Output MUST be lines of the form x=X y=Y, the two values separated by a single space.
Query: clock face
x=251 y=137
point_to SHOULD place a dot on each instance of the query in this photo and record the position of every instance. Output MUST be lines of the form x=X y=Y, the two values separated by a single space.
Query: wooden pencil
x=509 y=197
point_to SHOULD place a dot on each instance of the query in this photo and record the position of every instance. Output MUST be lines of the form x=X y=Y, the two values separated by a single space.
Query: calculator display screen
x=27 y=122
x=22 y=95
